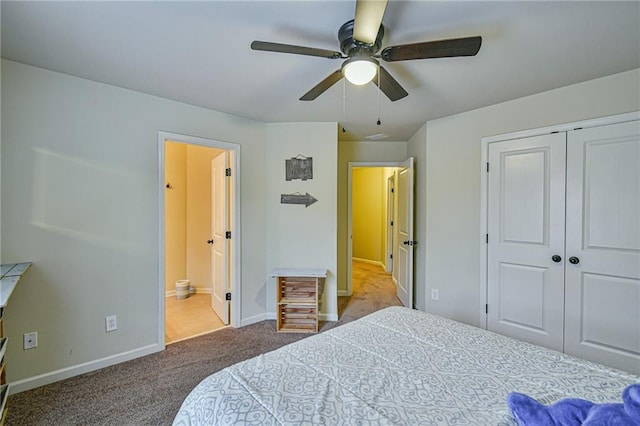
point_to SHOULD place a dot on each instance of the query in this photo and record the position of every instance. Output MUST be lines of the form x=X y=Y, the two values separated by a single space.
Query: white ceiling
x=198 y=53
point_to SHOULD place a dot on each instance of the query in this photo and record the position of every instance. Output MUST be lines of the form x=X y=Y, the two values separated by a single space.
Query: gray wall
x=299 y=236
x=80 y=200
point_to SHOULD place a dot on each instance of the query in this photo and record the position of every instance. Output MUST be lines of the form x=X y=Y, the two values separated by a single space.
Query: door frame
x=351 y=166
x=234 y=207
x=484 y=182
x=391 y=211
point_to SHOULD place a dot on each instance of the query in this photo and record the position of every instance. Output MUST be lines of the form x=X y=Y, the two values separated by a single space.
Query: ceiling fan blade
x=368 y=18
x=297 y=50
x=467 y=46
x=389 y=85
x=321 y=87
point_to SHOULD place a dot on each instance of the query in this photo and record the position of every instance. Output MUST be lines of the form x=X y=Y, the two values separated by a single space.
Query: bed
x=395 y=366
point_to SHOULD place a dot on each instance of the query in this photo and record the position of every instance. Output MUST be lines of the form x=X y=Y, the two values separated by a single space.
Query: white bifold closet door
x=602 y=308
x=570 y=282
x=526 y=229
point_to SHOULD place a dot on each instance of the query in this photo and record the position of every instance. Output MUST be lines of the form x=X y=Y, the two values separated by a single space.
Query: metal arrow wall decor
x=306 y=199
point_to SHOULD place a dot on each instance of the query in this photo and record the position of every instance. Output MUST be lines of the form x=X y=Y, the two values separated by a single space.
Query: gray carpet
x=149 y=390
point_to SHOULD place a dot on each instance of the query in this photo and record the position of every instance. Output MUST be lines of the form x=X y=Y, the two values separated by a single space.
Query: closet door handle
x=574 y=260
x=209 y=241
x=556 y=258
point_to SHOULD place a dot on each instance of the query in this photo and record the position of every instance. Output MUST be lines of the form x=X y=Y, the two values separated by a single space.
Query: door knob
x=556 y=258
x=574 y=260
x=209 y=241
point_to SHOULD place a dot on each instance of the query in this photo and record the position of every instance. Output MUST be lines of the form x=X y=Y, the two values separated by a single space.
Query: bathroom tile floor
x=190 y=317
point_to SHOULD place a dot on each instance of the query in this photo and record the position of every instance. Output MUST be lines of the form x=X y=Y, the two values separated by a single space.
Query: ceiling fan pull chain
x=344 y=104
x=378 y=122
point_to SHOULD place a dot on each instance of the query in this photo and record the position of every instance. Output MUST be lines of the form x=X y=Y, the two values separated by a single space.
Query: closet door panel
x=602 y=314
x=526 y=203
x=609 y=306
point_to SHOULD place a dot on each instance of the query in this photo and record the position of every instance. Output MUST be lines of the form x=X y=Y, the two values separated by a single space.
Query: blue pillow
x=576 y=411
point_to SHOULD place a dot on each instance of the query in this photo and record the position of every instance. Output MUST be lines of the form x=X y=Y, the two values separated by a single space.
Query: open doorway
x=372 y=216
x=199 y=250
x=380 y=224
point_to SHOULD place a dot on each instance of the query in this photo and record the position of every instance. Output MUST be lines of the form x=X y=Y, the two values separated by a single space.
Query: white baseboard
x=76 y=370
x=328 y=317
x=192 y=290
x=343 y=293
x=373 y=262
x=254 y=319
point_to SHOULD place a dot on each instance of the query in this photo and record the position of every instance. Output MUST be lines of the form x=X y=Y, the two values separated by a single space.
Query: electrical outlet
x=435 y=294
x=30 y=340
x=111 y=323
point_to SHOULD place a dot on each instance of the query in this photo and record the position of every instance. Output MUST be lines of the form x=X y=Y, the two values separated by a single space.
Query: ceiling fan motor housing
x=351 y=47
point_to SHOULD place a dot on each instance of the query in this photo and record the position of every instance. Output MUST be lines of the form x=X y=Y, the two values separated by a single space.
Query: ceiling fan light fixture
x=360 y=70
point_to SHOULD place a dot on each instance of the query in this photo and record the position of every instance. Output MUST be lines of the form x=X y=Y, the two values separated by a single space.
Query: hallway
x=373 y=289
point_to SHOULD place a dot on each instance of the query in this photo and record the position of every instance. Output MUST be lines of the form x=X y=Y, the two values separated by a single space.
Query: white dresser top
x=10 y=274
x=298 y=272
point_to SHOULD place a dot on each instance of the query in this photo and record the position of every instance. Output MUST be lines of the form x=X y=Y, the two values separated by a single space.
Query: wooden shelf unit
x=298 y=295
x=10 y=274
x=297 y=304
x=4 y=395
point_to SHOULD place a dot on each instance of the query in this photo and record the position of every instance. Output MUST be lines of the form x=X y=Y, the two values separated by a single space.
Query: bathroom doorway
x=198 y=259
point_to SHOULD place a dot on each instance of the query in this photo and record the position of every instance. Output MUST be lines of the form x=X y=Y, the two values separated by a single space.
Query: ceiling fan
x=361 y=40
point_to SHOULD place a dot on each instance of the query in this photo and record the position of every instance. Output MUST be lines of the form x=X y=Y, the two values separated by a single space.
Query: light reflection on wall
x=89 y=201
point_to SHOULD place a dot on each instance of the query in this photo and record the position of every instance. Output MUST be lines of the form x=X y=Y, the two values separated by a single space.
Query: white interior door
x=219 y=227
x=405 y=242
x=526 y=205
x=603 y=236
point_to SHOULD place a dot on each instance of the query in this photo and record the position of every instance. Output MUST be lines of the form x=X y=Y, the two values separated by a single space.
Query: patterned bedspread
x=395 y=366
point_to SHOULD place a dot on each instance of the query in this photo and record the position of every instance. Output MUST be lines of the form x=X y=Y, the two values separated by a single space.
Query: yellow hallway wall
x=368 y=213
